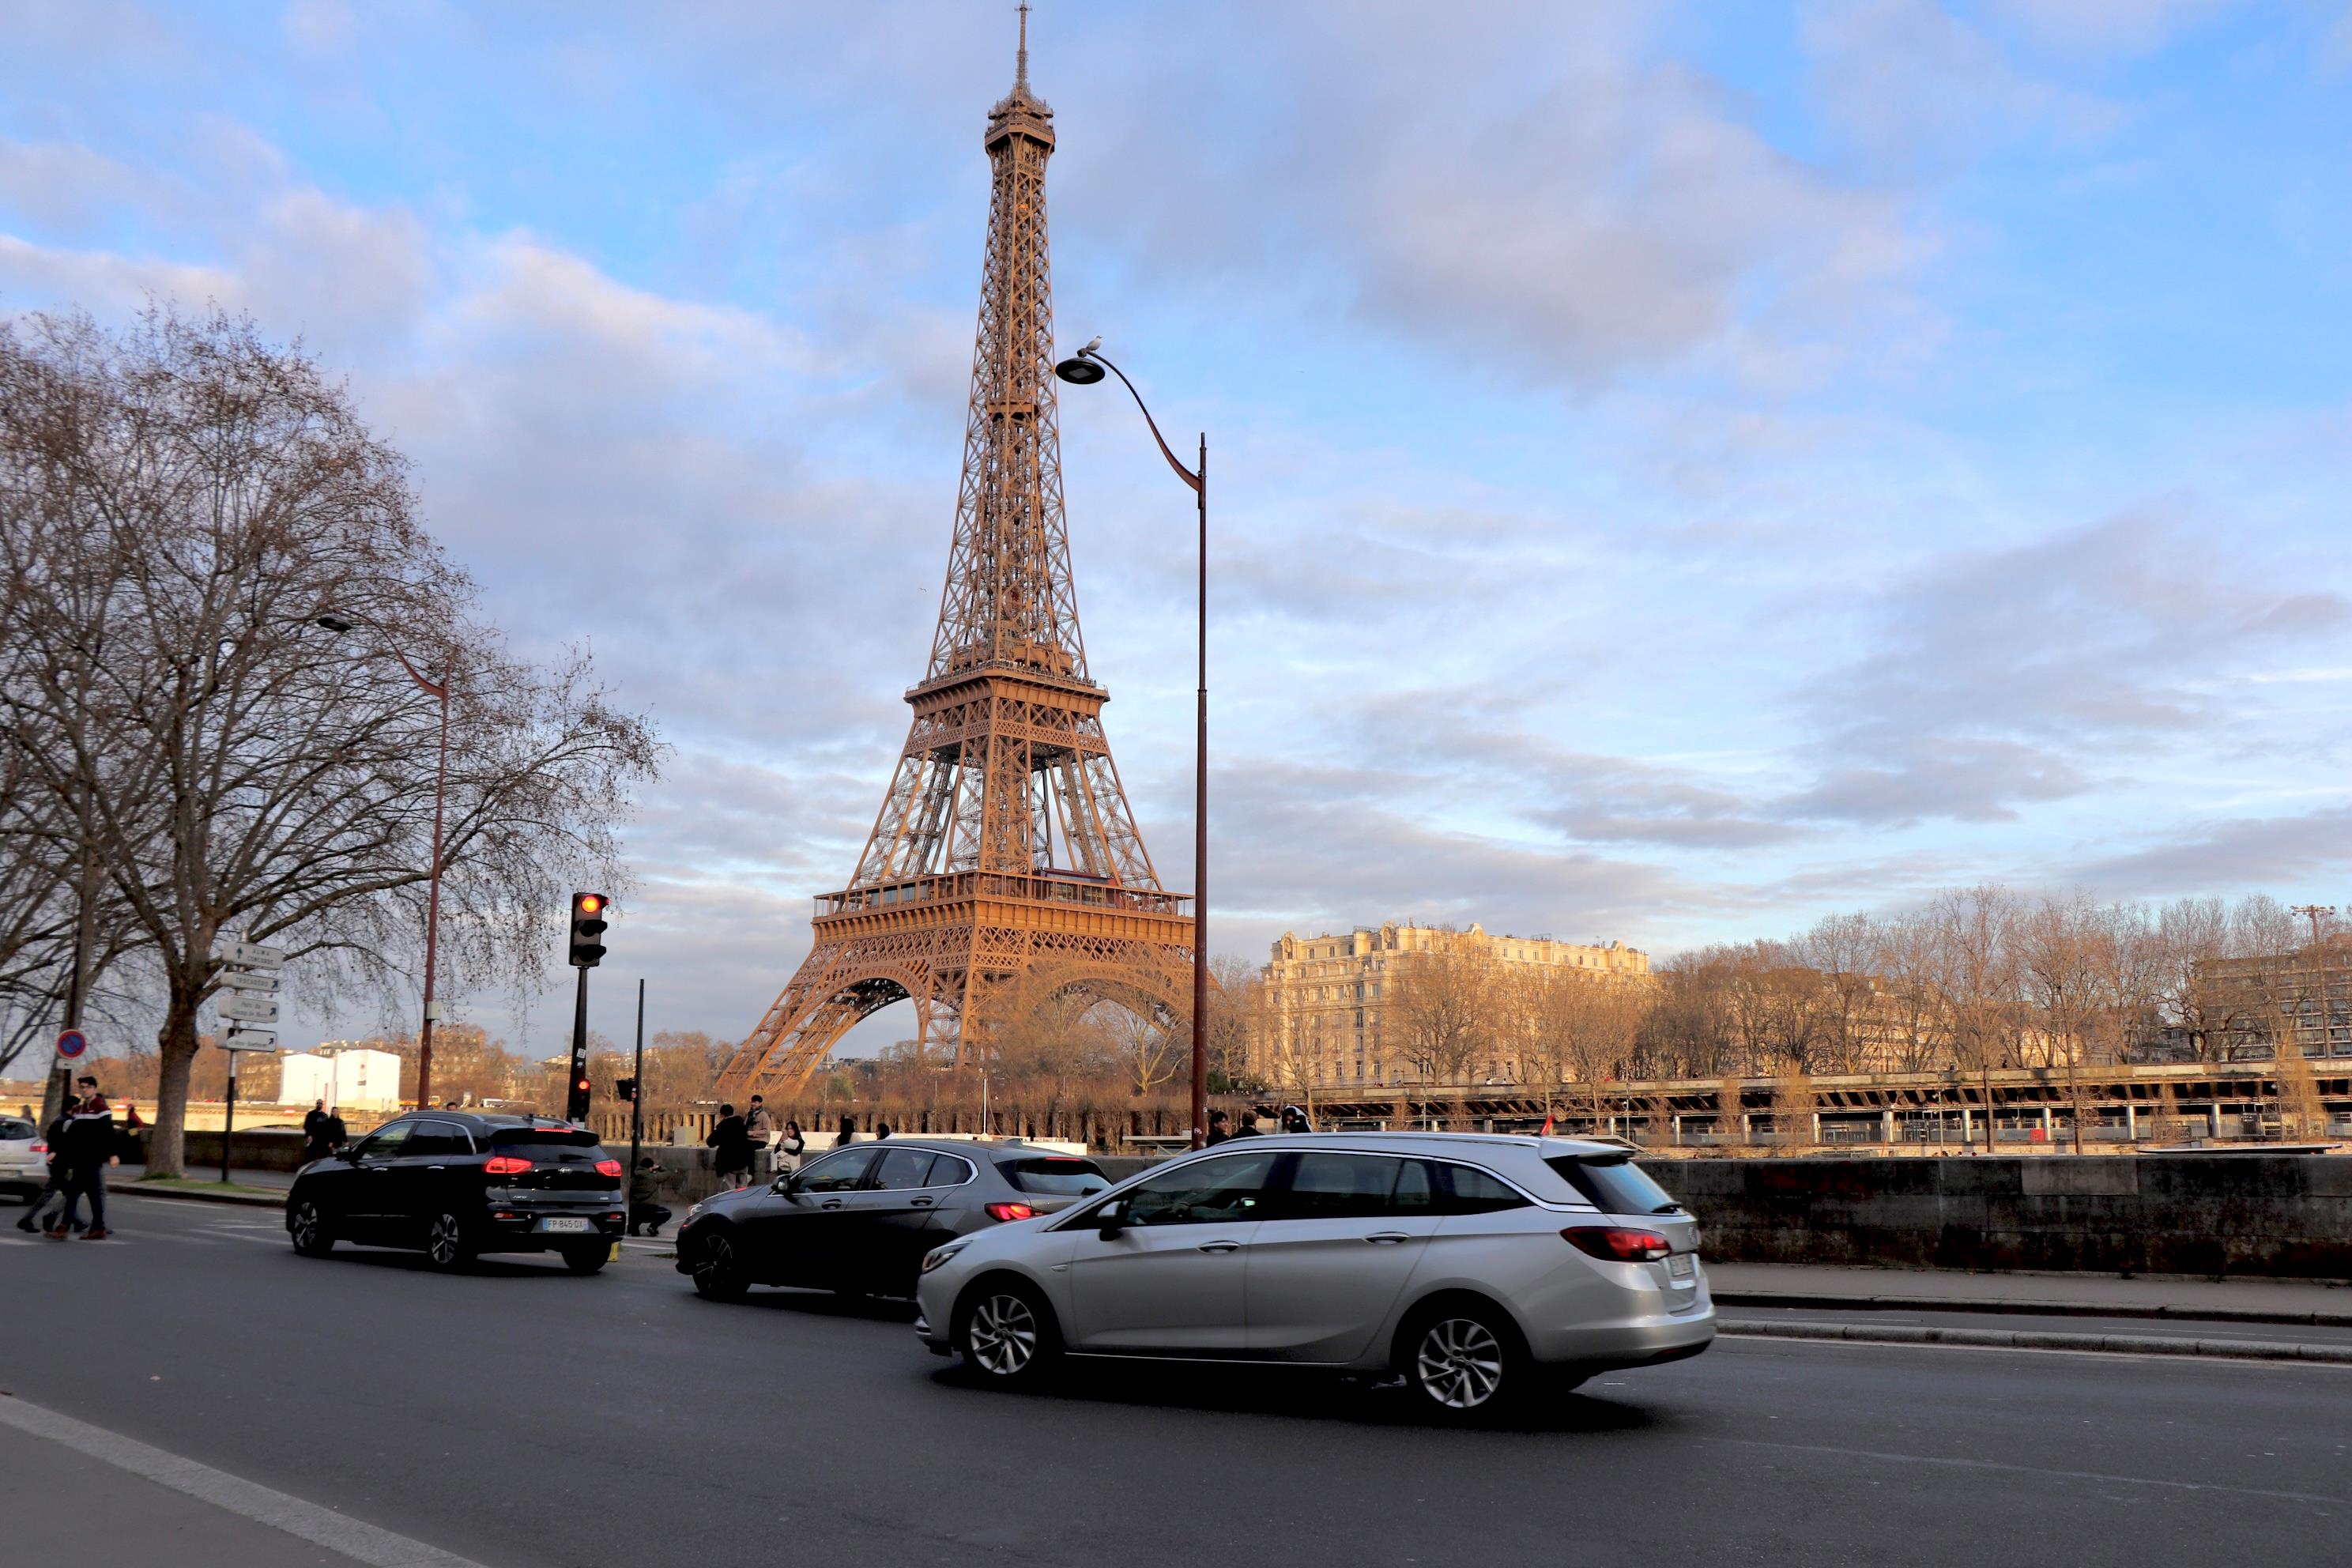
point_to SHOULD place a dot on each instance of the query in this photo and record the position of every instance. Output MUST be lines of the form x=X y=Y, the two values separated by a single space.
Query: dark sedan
x=858 y=1220
x=456 y=1184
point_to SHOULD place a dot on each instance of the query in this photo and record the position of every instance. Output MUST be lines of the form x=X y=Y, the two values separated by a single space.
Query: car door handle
x=1388 y=1238
x=436 y=1167
x=1221 y=1247
x=830 y=1204
x=918 y=1203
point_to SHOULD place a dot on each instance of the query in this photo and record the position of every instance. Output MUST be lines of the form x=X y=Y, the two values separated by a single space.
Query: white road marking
x=305 y=1521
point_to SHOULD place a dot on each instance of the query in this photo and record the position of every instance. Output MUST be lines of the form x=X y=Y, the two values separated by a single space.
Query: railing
x=1075 y=889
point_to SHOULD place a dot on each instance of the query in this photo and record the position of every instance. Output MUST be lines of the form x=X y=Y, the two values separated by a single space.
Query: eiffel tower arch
x=1005 y=850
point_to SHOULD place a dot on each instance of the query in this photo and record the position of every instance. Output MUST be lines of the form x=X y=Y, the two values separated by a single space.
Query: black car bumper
x=547 y=1226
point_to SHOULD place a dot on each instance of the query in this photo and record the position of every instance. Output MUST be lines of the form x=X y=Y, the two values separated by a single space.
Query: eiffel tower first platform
x=1005 y=864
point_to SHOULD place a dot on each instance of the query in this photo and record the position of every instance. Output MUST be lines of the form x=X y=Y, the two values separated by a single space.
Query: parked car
x=456 y=1184
x=858 y=1220
x=1477 y=1267
x=23 y=1158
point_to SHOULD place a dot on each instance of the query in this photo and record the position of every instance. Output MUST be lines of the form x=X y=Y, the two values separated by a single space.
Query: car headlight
x=939 y=1254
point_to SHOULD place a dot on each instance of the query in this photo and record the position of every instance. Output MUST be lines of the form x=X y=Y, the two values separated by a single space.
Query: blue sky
x=1680 y=469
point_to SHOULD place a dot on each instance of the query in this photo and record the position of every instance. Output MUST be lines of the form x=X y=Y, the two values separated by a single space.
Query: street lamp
x=1084 y=369
x=439 y=692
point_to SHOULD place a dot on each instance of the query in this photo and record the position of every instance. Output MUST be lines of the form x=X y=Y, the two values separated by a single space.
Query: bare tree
x=1976 y=932
x=249 y=774
x=1441 y=1011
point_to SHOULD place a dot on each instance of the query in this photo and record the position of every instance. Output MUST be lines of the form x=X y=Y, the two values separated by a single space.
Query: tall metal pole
x=1200 y=824
x=228 y=1122
x=575 y=1104
x=433 y=901
x=637 y=1109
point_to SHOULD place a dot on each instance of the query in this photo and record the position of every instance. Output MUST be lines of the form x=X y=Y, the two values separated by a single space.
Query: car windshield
x=1614 y=1184
x=1066 y=1177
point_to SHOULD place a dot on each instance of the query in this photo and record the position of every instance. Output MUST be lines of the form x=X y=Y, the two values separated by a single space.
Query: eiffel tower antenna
x=1004 y=861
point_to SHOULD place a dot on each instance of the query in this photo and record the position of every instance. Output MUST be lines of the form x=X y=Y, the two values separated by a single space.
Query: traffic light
x=577 y=1109
x=624 y=1089
x=588 y=929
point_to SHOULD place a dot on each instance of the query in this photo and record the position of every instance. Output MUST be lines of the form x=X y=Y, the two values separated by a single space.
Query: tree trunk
x=177 y=1043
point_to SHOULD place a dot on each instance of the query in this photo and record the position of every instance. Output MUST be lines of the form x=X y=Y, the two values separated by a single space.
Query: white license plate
x=567 y=1226
x=1679 y=1265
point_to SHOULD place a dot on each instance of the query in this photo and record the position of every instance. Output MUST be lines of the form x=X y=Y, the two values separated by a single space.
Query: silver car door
x=1171 y=1278
x=1341 y=1238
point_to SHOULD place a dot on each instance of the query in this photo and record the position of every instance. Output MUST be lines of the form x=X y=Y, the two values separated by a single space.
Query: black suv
x=457 y=1184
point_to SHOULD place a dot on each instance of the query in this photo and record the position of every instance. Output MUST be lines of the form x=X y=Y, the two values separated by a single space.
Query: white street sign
x=250 y=1009
x=246 y=980
x=249 y=1040
x=252 y=955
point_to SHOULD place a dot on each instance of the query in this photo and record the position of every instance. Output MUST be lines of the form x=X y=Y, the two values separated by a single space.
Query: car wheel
x=718 y=1272
x=445 y=1243
x=587 y=1260
x=1465 y=1362
x=308 y=1228
x=1008 y=1335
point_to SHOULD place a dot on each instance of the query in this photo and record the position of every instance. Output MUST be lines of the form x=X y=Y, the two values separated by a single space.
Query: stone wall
x=2280 y=1215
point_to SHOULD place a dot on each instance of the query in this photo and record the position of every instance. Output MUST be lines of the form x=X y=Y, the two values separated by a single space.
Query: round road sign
x=72 y=1043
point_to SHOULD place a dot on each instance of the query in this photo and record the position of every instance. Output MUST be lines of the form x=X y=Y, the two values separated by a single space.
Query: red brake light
x=39 y=1149
x=1616 y=1245
x=506 y=1165
x=608 y=1167
x=1011 y=1211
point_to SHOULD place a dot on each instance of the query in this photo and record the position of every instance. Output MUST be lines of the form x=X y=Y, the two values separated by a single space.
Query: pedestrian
x=337 y=1135
x=1218 y=1130
x=54 y=1135
x=848 y=1132
x=759 y=1121
x=1295 y=1119
x=881 y=1130
x=730 y=1143
x=790 y=1148
x=89 y=1151
x=1248 y=1127
x=644 y=1185
x=314 y=1132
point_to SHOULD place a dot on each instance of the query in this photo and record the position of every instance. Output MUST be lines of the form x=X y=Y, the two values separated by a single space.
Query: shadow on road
x=498 y=1266
x=826 y=1304
x=1298 y=1394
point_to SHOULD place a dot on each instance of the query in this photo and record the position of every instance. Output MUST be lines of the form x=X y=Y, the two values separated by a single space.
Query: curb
x=236 y=1200
x=2029 y=1339
x=2013 y=1306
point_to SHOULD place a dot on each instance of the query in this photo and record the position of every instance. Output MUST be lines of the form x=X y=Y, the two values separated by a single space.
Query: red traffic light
x=590 y=903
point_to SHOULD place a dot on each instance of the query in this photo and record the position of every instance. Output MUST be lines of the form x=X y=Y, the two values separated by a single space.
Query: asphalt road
x=519 y=1416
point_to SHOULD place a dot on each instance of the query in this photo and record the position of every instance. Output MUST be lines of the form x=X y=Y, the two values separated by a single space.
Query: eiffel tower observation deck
x=1004 y=865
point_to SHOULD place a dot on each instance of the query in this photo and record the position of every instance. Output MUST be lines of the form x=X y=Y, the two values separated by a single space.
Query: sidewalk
x=256 y=1189
x=2050 y=1295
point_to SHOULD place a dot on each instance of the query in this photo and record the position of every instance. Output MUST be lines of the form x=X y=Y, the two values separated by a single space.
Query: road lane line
x=320 y=1526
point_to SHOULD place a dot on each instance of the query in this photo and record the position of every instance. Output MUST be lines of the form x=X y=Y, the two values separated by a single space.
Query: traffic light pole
x=636 y=1107
x=576 y=1103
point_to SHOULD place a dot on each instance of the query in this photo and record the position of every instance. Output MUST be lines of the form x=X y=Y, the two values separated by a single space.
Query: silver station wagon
x=1478 y=1269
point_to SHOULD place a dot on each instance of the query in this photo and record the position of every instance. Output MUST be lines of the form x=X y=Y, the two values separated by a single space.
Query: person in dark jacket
x=644 y=1186
x=731 y=1143
x=314 y=1132
x=89 y=1151
x=1218 y=1130
x=54 y=1135
x=1248 y=1127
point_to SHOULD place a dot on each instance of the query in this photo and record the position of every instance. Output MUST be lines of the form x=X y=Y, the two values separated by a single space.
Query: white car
x=1477 y=1267
x=23 y=1158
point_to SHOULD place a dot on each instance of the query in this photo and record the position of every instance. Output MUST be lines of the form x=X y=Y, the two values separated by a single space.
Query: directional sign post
x=250 y=1009
x=249 y=971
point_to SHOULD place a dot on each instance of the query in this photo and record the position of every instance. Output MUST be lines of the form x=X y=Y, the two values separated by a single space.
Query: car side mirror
x=783 y=1186
x=1111 y=1218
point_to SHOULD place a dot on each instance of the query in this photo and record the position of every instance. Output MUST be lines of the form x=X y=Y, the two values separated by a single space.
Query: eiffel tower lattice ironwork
x=1004 y=862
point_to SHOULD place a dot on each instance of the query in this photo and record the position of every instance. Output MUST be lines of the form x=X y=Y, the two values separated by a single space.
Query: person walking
x=54 y=1135
x=730 y=1143
x=337 y=1133
x=645 y=1185
x=760 y=1126
x=790 y=1148
x=89 y=1151
x=1218 y=1130
x=314 y=1132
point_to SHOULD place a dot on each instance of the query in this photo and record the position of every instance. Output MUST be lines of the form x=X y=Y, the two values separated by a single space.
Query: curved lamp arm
x=1183 y=473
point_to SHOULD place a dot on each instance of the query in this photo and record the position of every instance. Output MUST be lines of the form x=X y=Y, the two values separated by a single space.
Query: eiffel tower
x=1005 y=864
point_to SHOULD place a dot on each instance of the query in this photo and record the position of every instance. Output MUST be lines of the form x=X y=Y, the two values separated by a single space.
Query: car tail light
x=1010 y=1211
x=39 y=1148
x=1616 y=1244
x=506 y=1165
x=608 y=1167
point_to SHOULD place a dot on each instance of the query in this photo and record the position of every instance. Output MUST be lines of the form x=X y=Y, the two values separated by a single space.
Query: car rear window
x=1064 y=1176
x=1614 y=1184
x=559 y=1137
x=11 y=1129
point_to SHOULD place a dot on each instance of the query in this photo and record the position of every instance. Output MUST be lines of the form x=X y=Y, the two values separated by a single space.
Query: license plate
x=567 y=1226
x=1679 y=1265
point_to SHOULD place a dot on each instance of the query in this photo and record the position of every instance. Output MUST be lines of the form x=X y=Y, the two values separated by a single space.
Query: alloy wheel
x=714 y=1267
x=445 y=1244
x=1004 y=1334
x=1460 y=1363
x=307 y=1228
